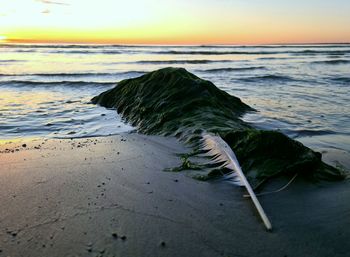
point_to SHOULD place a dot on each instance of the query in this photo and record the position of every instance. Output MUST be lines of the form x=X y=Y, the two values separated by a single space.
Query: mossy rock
x=265 y=154
x=172 y=101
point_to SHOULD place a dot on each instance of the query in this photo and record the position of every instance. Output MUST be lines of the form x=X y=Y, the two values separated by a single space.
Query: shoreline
x=109 y=196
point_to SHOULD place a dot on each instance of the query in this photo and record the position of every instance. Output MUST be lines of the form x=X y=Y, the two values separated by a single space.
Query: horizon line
x=15 y=42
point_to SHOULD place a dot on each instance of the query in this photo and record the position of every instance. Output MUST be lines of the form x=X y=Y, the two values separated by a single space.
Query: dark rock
x=174 y=101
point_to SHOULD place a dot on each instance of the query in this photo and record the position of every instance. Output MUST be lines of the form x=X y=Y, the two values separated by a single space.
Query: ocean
x=300 y=90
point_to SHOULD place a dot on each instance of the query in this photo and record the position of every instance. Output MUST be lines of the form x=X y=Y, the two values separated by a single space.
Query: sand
x=109 y=196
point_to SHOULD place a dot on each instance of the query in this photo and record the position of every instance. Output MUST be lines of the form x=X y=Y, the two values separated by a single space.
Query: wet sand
x=109 y=196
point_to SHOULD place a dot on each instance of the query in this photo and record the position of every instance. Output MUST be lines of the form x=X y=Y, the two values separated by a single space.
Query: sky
x=175 y=22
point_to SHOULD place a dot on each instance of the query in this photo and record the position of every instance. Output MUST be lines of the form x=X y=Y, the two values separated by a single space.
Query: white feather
x=222 y=154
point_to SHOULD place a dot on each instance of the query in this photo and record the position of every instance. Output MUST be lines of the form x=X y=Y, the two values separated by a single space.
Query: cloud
x=52 y=2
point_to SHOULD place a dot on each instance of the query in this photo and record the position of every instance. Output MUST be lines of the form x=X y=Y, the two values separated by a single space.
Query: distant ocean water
x=301 y=90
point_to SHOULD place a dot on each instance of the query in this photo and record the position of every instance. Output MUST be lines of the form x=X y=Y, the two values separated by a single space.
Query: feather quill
x=222 y=153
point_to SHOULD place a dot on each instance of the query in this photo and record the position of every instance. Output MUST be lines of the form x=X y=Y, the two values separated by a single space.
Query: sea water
x=300 y=90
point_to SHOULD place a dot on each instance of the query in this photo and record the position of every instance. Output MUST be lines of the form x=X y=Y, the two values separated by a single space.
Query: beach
x=174 y=128
x=110 y=196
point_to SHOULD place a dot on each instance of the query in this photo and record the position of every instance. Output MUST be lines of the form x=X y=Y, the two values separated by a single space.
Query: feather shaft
x=223 y=152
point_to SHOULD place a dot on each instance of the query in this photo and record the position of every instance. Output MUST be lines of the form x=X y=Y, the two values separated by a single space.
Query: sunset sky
x=175 y=22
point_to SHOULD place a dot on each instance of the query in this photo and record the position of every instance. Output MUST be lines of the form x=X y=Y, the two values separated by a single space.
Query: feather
x=223 y=155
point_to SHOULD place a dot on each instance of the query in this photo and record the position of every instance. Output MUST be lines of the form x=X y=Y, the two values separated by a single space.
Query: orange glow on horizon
x=157 y=37
x=154 y=41
x=174 y=22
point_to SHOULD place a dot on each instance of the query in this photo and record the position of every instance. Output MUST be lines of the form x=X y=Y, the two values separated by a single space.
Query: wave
x=181 y=61
x=267 y=78
x=185 y=50
x=330 y=62
x=26 y=51
x=309 y=132
x=175 y=52
x=23 y=83
x=11 y=60
x=345 y=80
x=235 y=69
x=304 y=52
x=326 y=52
x=71 y=49
x=84 y=74
x=87 y=52
x=273 y=58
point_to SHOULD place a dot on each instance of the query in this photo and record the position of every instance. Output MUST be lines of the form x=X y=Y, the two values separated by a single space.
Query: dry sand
x=110 y=197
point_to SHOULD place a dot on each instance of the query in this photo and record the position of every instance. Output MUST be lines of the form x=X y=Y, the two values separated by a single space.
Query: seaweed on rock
x=172 y=101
